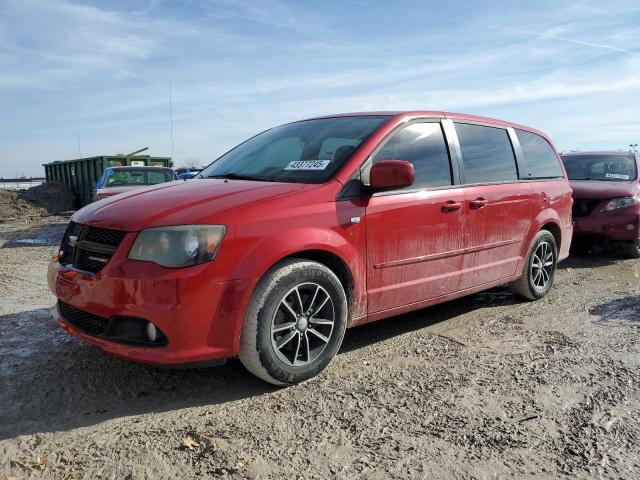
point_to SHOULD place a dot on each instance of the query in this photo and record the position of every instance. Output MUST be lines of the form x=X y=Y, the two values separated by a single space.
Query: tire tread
x=521 y=287
x=249 y=352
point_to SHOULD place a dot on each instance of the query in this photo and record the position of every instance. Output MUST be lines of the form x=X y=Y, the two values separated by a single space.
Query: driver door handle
x=451 y=206
x=477 y=203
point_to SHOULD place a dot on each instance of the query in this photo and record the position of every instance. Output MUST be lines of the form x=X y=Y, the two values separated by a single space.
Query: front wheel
x=295 y=322
x=539 y=269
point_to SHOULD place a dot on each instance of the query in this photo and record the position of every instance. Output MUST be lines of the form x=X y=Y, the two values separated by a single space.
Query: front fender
x=270 y=250
x=265 y=253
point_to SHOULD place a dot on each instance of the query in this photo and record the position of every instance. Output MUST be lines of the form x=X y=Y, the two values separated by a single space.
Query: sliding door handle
x=477 y=203
x=451 y=206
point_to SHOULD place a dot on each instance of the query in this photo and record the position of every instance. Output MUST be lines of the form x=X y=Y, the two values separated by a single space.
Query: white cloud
x=69 y=70
x=551 y=34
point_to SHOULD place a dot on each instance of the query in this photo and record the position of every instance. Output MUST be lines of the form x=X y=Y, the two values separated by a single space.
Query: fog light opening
x=630 y=227
x=152 y=332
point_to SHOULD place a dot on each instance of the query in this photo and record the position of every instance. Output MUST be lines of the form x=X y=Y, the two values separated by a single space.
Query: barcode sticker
x=617 y=175
x=307 y=165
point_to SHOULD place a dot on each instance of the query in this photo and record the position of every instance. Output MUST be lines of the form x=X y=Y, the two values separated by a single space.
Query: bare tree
x=192 y=163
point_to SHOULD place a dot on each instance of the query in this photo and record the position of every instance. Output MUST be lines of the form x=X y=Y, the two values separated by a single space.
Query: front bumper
x=200 y=317
x=617 y=225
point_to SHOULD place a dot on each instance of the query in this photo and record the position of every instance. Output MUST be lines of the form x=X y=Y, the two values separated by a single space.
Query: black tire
x=632 y=250
x=537 y=277
x=293 y=281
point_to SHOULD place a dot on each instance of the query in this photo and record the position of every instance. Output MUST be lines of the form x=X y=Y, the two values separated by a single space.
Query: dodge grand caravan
x=606 y=197
x=309 y=228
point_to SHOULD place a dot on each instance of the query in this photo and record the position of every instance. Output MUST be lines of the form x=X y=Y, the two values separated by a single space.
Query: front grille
x=91 y=261
x=66 y=249
x=582 y=207
x=83 y=321
x=89 y=248
x=106 y=236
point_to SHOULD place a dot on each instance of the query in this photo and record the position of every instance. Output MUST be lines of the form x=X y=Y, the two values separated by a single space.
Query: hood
x=602 y=190
x=178 y=203
x=105 y=192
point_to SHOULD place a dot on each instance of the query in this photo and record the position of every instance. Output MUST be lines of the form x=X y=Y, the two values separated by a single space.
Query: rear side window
x=424 y=146
x=487 y=154
x=539 y=158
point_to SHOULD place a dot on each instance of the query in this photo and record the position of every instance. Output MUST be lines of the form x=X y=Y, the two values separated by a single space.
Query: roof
x=432 y=113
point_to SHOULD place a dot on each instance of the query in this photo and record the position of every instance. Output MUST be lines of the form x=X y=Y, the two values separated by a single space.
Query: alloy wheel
x=542 y=265
x=302 y=325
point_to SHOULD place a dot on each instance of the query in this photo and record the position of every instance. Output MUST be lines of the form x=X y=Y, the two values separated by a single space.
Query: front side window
x=311 y=151
x=423 y=145
x=616 y=168
x=540 y=159
x=487 y=154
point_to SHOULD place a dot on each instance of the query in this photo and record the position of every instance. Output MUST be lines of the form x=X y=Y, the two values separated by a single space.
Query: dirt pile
x=13 y=207
x=53 y=196
x=50 y=197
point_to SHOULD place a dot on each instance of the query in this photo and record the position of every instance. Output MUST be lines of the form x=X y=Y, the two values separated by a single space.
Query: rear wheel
x=539 y=269
x=632 y=250
x=295 y=322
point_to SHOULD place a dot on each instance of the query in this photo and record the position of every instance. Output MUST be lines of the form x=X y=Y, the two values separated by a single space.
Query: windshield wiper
x=237 y=176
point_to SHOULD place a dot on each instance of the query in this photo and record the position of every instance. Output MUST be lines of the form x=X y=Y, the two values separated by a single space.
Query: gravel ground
x=482 y=387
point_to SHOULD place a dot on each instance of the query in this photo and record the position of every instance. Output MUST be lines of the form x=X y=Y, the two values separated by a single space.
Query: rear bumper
x=200 y=318
x=621 y=225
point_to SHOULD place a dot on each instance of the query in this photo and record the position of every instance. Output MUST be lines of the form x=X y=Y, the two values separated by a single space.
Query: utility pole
x=79 y=149
x=171 y=118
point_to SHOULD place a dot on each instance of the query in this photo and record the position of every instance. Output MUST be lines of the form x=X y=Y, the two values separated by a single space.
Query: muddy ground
x=483 y=387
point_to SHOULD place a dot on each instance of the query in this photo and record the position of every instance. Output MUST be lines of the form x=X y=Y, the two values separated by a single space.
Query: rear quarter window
x=540 y=161
x=487 y=154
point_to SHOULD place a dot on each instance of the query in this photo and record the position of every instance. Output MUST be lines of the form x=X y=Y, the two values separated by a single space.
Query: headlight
x=180 y=246
x=621 y=202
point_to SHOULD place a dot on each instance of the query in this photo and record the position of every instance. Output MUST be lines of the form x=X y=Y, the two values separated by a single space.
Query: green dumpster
x=80 y=175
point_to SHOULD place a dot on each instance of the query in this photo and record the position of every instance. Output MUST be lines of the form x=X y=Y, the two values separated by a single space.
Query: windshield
x=617 y=168
x=303 y=152
x=129 y=176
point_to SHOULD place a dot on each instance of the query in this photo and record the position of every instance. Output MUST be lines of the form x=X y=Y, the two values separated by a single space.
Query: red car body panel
x=402 y=252
x=414 y=249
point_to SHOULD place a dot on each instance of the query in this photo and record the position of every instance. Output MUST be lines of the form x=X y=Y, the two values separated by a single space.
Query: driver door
x=414 y=234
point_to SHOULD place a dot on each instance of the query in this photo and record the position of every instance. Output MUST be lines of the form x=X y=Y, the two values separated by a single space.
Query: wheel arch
x=325 y=246
x=554 y=229
x=336 y=264
x=547 y=219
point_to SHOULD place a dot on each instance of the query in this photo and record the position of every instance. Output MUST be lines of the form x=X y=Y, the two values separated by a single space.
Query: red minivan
x=309 y=228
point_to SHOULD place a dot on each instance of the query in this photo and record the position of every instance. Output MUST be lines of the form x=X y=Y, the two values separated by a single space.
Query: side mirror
x=391 y=174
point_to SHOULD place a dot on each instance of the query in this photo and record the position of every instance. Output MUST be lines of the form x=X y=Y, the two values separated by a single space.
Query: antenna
x=171 y=118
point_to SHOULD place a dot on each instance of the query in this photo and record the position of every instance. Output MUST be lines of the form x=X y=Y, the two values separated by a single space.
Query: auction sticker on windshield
x=617 y=175
x=307 y=165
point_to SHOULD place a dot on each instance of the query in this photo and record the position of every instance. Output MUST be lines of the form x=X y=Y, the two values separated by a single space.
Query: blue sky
x=100 y=71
